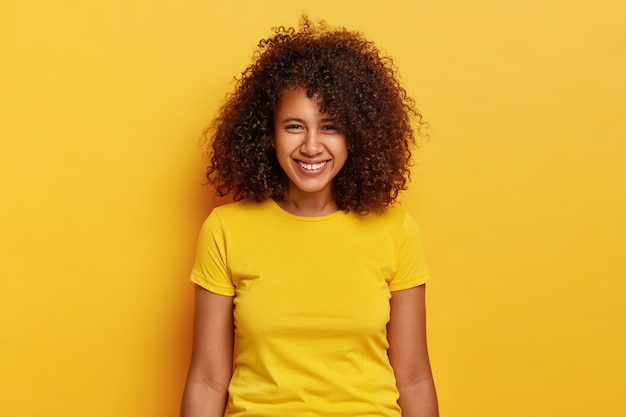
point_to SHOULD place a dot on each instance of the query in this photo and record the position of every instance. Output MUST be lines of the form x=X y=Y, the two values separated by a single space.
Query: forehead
x=298 y=99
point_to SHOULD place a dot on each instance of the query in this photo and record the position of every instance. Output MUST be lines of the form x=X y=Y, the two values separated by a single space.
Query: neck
x=308 y=204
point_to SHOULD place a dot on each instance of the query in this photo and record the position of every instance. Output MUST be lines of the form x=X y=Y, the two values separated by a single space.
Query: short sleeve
x=210 y=269
x=412 y=270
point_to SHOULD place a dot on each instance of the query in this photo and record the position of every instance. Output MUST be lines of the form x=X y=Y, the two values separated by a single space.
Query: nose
x=312 y=144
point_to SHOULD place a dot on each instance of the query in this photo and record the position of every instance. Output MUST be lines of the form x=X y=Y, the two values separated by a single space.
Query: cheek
x=283 y=154
x=285 y=144
x=280 y=148
x=343 y=149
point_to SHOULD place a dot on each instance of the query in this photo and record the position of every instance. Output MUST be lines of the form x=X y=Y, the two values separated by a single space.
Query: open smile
x=312 y=167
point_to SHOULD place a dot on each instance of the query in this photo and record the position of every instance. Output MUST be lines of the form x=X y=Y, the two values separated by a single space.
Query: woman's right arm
x=212 y=356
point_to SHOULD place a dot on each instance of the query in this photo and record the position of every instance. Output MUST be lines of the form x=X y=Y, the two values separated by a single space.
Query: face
x=309 y=145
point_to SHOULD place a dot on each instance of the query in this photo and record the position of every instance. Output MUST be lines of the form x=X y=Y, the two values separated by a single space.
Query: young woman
x=310 y=287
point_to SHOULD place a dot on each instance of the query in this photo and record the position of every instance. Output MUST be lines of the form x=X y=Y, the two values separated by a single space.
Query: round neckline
x=306 y=218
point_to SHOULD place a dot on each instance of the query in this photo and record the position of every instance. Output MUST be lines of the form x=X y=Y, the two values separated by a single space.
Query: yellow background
x=520 y=191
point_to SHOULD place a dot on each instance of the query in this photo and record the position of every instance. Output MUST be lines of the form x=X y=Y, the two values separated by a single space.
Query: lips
x=312 y=167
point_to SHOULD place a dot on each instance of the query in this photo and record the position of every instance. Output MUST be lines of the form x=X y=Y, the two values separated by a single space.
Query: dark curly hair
x=353 y=80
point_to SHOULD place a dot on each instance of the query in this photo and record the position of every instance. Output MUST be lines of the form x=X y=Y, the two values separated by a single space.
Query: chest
x=312 y=284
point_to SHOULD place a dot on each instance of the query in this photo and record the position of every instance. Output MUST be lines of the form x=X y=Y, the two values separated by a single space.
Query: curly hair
x=353 y=80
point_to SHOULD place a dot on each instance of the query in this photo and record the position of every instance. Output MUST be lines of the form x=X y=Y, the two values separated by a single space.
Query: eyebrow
x=297 y=119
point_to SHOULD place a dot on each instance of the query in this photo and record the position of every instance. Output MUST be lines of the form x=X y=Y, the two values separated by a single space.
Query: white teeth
x=312 y=167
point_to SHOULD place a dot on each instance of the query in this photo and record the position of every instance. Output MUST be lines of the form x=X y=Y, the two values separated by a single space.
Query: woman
x=312 y=277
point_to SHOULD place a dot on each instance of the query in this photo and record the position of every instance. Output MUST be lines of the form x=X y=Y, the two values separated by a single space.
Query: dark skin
x=305 y=130
x=353 y=81
x=408 y=353
x=211 y=365
x=212 y=357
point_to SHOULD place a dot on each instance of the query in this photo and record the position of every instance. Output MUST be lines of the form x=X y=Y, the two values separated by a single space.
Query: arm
x=408 y=353
x=211 y=360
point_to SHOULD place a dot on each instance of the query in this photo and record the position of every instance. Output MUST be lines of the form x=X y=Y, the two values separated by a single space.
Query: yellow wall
x=520 y=190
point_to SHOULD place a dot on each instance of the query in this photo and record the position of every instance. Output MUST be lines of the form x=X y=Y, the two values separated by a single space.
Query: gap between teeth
x=312 y=167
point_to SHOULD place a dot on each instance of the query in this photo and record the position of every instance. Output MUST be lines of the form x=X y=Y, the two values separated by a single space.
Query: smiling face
x=309 y=146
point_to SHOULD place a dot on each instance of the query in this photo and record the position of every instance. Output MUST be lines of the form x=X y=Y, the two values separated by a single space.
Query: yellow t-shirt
x=311 y=305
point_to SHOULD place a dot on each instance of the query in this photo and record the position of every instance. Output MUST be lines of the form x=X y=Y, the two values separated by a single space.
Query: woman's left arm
x=408 y=353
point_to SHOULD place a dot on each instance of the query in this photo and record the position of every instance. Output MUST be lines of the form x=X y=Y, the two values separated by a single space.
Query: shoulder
x=239 y=214
x=392 y=224
x=240 y=208
x=392 y=217
x=236 y=206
